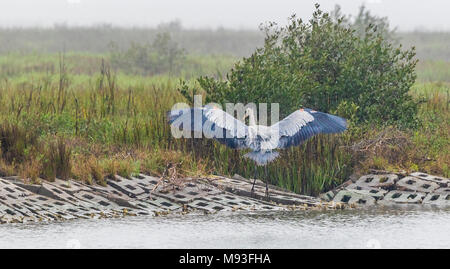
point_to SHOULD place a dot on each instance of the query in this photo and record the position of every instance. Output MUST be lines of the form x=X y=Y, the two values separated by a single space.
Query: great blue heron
x=262 y=140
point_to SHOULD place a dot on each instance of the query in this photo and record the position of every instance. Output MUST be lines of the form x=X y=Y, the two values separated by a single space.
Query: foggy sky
x=407 y=15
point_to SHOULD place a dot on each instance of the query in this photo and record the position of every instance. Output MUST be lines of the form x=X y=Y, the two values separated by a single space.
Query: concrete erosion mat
x=384 y=188
x=147 y=195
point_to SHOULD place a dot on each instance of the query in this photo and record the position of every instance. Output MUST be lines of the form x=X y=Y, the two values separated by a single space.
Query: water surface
x=385 y=228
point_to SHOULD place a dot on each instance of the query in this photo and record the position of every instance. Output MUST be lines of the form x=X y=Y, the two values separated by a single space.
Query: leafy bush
x=163 y=55
x=321 y=64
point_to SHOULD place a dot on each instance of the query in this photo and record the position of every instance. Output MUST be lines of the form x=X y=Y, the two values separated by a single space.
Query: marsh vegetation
x=93 y=106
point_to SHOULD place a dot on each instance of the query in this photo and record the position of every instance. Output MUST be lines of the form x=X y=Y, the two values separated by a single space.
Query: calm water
x=385 y=228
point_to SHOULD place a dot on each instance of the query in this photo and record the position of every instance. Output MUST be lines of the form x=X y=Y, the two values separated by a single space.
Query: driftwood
x=385 y=140
x=170 y=179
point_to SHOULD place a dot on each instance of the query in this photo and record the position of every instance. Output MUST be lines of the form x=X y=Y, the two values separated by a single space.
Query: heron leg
x=267 y=182
x=254 y=181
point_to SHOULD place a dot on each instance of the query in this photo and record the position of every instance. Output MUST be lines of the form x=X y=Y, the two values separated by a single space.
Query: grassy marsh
x=72 y=116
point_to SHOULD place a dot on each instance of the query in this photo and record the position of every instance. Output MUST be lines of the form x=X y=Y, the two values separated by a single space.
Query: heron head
x=248 y=111
x=250 y=114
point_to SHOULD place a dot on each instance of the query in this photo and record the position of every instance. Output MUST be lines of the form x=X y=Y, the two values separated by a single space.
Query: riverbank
x=59 y=200
x=140 y=195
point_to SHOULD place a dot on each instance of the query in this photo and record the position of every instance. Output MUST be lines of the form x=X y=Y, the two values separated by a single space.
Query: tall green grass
x=83 y=65
x=433 y=71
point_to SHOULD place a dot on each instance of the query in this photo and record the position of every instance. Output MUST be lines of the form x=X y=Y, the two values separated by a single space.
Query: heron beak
x=244 y=117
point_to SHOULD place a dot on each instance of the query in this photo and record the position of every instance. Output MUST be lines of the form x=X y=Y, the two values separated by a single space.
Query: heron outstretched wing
x=213 y=123
x=305 y=123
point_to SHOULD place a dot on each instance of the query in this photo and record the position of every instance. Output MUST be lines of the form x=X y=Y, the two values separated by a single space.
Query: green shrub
x=162 y=56
x=320 y=64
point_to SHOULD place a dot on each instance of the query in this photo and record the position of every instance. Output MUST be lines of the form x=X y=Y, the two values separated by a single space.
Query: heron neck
x=251 y=120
